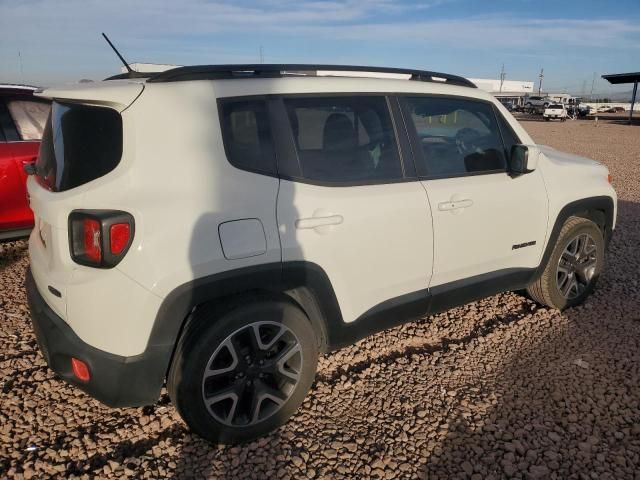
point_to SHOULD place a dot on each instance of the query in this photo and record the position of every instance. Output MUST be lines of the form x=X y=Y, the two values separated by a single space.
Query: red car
x=22 y=119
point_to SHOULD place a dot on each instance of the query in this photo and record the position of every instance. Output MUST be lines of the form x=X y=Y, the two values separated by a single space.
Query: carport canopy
x=618 y=78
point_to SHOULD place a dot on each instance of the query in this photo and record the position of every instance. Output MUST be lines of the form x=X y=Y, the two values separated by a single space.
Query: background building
x=513 y=91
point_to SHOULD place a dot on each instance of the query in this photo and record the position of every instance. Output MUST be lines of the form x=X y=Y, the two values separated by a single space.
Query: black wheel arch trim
x=585 y=207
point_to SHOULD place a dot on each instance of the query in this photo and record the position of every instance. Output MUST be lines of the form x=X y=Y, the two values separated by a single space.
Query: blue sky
x=59 y=40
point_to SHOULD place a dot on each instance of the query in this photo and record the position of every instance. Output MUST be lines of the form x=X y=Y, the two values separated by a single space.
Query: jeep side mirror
x=519 y=161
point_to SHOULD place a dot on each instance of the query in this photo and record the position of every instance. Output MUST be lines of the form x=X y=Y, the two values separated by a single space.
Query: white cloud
x=67 y=31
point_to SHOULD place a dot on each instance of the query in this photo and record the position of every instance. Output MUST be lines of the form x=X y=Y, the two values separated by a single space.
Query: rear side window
x=344 y=139
x=29 y=117
x=80 y=143
x=457 y=136
x=247 y=136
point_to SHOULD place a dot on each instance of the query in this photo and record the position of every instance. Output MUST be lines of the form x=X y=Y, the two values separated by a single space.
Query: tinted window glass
x=344 y=139
x=457 y=136
x=9 y=132
x=79 y=144
x=509 y=137
x=29 y=117
x=247 y=136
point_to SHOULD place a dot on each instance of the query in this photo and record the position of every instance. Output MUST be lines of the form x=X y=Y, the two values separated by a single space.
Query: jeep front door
x=487 y=225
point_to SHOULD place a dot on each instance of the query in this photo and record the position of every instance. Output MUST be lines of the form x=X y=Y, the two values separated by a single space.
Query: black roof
x=616 y=78
x=218 y=72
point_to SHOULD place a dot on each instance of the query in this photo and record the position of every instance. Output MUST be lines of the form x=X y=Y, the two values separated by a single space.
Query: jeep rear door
x=487 y=225
x=348 y=203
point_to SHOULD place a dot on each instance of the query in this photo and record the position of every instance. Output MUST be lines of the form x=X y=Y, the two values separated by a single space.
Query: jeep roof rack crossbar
x=220 y=72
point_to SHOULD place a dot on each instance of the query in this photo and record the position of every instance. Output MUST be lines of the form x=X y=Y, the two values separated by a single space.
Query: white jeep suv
x=217 y=227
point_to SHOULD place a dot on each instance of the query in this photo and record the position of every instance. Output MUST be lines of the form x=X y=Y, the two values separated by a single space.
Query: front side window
x=247 y=136
x=344 y=139
x=456 y=136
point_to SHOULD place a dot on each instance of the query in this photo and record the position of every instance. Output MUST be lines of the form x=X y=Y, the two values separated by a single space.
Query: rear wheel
x=574 y=266
x=241 y=374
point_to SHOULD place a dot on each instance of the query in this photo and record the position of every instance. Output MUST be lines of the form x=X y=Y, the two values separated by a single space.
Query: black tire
x=208 y=332
x=546 y=289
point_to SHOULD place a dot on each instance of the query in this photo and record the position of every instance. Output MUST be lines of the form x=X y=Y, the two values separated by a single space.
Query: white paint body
x=197 y=215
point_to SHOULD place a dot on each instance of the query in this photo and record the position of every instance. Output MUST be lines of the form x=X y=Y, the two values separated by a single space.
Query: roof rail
x=220 y=72
x=133 y=74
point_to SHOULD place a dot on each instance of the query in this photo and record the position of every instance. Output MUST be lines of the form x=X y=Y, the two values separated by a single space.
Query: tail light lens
x=91 y=246
x=120 y=234
x=100 y=238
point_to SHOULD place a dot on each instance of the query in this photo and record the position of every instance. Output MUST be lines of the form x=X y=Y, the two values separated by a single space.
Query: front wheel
x=574 y=266
x=240 y=374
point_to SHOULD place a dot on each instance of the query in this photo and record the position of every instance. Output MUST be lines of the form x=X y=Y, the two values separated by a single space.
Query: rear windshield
x=80 y=143
x=555 y=107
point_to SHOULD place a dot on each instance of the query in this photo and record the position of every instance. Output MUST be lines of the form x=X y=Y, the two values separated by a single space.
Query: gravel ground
x=498 y=388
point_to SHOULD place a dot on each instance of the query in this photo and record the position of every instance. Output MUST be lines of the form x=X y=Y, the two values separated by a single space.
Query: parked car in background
x=555 y=111
x=537 y=102
x=610 y=109
x=22 y=120
x=508 y=104
x=584 y=110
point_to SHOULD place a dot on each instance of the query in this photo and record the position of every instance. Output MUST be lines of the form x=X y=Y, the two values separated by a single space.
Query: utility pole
x=502 y=77
x=541 y=76
x=593 y=83
x=261 y=55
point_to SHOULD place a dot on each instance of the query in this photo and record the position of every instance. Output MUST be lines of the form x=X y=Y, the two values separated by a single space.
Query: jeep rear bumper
x=116 y=381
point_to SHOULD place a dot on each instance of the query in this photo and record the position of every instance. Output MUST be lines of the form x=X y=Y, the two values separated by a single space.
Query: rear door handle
x=455 y=204
x=315 y=222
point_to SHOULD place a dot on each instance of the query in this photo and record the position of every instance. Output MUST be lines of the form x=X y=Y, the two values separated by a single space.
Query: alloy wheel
x=252 y=374
x=577 y=266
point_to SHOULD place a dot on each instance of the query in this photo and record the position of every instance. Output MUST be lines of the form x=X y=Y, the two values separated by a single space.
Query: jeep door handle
x=455 y=204
x=315 y=222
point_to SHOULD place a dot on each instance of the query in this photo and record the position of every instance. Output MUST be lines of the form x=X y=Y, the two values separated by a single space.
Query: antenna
x=124 y=62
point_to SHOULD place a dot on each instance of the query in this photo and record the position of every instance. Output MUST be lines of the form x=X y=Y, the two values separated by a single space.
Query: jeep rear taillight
x=91 y=247
x=100 y=238
x=120 y=234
